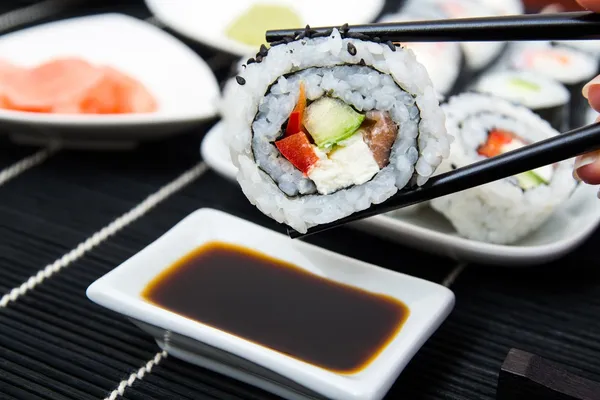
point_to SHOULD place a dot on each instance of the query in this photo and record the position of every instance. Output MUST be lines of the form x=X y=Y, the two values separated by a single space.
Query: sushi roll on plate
x=545 y=96
x=324 y=126
x=506 y=210
x=571 y=67
x=591 y=47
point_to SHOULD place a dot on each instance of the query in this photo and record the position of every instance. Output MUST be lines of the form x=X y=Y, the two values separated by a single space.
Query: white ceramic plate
x=207 y=22
x=119 y=290
x=427 y=230
x=182 y=83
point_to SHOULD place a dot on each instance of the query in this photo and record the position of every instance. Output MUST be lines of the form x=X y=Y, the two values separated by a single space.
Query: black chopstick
x=580 y=25
x=546 y=152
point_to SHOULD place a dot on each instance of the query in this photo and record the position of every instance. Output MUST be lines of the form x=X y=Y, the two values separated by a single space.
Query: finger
x=592 y=5
x=552 y=8
x=591 y=91
x=587 y=168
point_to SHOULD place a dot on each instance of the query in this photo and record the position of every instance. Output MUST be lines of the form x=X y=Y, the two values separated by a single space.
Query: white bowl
x=425 y=229
x=183 y=85
x=119 y=290
x=206 y=22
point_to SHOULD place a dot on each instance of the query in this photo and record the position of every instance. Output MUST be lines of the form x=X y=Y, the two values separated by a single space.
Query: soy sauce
x=279 y=306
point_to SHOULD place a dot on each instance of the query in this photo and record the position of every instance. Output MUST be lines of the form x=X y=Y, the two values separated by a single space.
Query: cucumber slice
x=523 y=84
x=330 y=121
x=529 y=179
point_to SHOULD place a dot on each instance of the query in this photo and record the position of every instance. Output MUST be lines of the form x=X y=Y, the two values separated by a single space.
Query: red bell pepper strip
x=295 y=120
x=496 y=139
x=297 y=149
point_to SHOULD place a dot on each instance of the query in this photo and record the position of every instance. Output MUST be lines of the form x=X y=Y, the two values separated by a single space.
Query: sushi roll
x=591 y=47
x=321 y=127
x=571 y=67
x=478 y=55
x=506 y=210
x=545 y=96
x=443 y=74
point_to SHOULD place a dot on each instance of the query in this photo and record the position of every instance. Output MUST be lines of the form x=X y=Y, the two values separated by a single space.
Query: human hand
x=587 y=166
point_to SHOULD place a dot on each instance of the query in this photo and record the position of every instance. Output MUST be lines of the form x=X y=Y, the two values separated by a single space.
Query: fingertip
x=589 y=174
x=593 y=96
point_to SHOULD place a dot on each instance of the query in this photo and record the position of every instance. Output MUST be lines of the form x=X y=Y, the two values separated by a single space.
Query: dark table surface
x=56 y=344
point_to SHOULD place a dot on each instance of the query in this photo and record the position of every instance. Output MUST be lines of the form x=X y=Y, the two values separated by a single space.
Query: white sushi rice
x=410 y=162
x=499 y=212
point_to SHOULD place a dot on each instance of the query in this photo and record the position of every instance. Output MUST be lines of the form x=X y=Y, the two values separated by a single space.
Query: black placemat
x=56 y=344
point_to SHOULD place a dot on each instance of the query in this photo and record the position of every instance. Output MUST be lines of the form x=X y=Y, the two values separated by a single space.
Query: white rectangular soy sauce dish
x=120 y=290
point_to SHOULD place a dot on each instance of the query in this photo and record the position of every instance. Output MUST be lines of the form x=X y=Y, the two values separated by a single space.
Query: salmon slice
x=379 y=133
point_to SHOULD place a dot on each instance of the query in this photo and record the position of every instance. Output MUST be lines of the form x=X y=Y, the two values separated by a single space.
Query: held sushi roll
x=325 y=126
x=506 y=210
x=571 y=67
x=545 y=96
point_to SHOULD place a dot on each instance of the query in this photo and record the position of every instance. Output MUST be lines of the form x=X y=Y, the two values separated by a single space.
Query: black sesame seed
x=263 y=50
x=250 y=61
x=453 y=166
x=362 y=62
x=240 y=80
x=377 y=39
x=391 y=45
x=344 y=28
x=291 y=51
x=259 y=58
x=351 y=49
